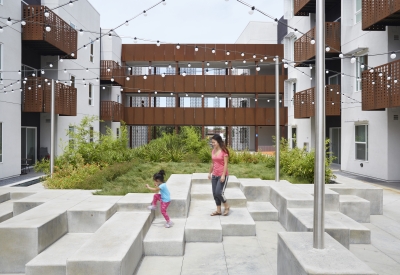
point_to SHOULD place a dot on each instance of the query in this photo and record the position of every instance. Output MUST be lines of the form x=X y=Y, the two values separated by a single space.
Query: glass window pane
x=361 y=133
x=358 y=5
x=361 y=151
x=358 y=17
x=1 y=142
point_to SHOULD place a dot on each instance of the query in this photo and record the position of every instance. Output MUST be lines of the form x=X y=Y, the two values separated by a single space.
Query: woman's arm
x=153 y=189
x=226 y=159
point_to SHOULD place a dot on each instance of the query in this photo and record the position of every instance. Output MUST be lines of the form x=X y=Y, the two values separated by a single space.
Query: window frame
x=118 y=98
x=71 y=139
x=1 y=58
x=1 y=142
x=90 y=94
x=361 y=59
x=72 y=78
x=357 y=13
x=91 y=134
x=117 y=132
x=91 y=52
x=361 y=142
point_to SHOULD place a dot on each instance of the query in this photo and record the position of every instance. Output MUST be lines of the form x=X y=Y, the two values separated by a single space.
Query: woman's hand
x=209 y=176
x=222 y=179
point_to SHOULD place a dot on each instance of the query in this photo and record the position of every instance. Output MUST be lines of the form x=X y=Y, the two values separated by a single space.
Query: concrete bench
x=331 y=197
x=238 y=223
x=32 y=201
x=262 y=211
x=4 y=196
x=116 y=248
x=255 y=189
x=91 y=214
x=355 y=207
x=6 y=210
x=54 y=259
x=202 y=178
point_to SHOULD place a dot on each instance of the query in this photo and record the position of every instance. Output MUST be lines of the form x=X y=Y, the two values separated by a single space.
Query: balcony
x=61 y=40
x=111 y=111
x=240 y=84
x=204 y=116
x=37 y=97
x=111 y=69
x=304 y=106
x=304 y=50
x=379 y=92
x=305 y=7
x=377 y=14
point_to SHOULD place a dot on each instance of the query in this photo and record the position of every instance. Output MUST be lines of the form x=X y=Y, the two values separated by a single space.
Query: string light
x=9 y=22
x=46 y=13
x=228 y=53
x=213 y=50
x=48 y=28
x=393 y=55
x=341 y=55
x=158 y=43
x=71 y=3
x=81 y=32
x=251 y=11
x=275 y=23
x=258 y=68
x=196 y=49
x=312 y=41
x=327 y=48
x=128 y=78
x=178 y=46
x=353 y=59
x=144 y=13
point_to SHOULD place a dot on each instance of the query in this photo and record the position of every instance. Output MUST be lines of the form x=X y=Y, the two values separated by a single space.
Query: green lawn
x=141 y=174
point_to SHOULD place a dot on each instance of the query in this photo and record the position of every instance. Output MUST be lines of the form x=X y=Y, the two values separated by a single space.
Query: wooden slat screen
x=116 y=71
x=377 y=14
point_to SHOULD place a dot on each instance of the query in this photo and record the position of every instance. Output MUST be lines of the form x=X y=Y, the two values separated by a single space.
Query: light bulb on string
x=244 y=61
x=258 y=68
x=206 y=71
x=310 y=67
x=388 y=78
x=285 y=65
x=48 y=28
x=213 y=50
x=373 y=82
x=362 y=66
x=65 y=71
x=312 y=41
x=242 y=54
x=71 y=3
x=163 y=75
x=275 y=23
x=112 y=79
x=254 y=56
x=184 y=74
x=126 y=23
x=108 y=69
x=1 y=29
x=85 y=47
x=189 y=65
x=393 y=55
x=164 y=2
x=265 y=57
x=97 y=79
x=341 y=55
x=310 y=78
x=87 y=69
x=327 y=71
x=145 y=76
x=296 y=31
x=144 y=13
x=158 y=43
x=129 y=69
x=97 y=40
x=327 y=48
x=81 y=32
x=178 y=46
x=226 y=62
x=353 y=59
x=155 y=92
x=128 y=78
x=196 y=49
x=72 y=54
x=109 y=36
x=228 y=53
x=208 y=64
x=135 y=40
x=169 y=66
x=104 y=87
x=380 y=74
x=395 y=81
x=46 y=13
x=172 y=93
x=342 y=74
x=186 y=94
x=251 y=11
x=9 y=22
x=371 y=70
x=261 y=60
x=23 y=23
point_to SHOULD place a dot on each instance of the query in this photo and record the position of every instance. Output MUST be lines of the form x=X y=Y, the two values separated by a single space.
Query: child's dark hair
x=159 y=176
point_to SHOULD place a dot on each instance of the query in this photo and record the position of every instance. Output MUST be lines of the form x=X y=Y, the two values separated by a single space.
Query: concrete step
x=6 y=210
x=331 y=197
x=161 y=241
x=54 y=259
x=4 y=196
x=234 y=196
x=345 y=230
x=284 y=196
x=355 y=207
x=30 y=233
x=116 y=248
x=166 y=265
x=255 y=189
x=238 y=223
x=262 y=211
x=202 y=178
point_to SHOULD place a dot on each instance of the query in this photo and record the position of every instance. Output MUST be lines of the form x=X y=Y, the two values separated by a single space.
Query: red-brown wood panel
x=159 y=53
x=240 y=84
x=149 y=83
x=200 y=83
x=179 y=116
x=251 y=50
x=250 y=84
x=270 y=84
x=220 y=52
x=179 y=84
x=139 y=52
x=189 y=83
x=220 y=116
x=159 y=83
x=149 y=116
x=230 y=84
x=220 y=83
x=159 y=116
x=283 y=116
x=150 y=49
x=199 y=116
x=230 y=116
x=139 y=82
x=180 y=53
x=240 y=48
x=209 y=84
x=240 y=116
x=169 y=116
x=189 y=52
x=189 y=116
x=282 y=79
x=169 y=51
x=200 y=54
x=250 y=116
x=260 y=50
x=209 y=56
x=260 y=83
x=209 y=116
x=260 y=116
x=232 y=52
x=270 y=116
x=169 y=83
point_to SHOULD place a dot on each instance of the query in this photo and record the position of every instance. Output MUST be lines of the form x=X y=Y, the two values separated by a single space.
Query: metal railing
x=377 y=14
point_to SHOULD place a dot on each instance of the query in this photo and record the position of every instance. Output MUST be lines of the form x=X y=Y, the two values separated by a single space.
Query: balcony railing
x=37 y=97
x=203 y=116
x=304 y=102
x=111 y=70
x=304 y=50
x=305 y=7
x=111 y=111
x=377 y=14
x=206 y=83
x=61 y=40
x=381 y=89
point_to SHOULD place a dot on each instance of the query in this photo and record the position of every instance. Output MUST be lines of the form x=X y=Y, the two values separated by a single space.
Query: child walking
x=163 y=196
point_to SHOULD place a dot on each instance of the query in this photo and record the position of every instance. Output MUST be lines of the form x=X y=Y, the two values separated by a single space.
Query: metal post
x=52 y=117
x=319 y=174
x=277 y=120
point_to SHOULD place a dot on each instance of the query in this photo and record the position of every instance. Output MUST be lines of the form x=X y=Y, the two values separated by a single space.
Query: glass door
x=335 y=144
x=28 y=145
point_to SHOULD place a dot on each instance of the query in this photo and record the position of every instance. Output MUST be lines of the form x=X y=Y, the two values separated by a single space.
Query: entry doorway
x=29 y=145
x=335 y=143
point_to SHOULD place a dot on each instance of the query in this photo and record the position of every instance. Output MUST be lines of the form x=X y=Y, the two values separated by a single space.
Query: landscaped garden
x=104 y=163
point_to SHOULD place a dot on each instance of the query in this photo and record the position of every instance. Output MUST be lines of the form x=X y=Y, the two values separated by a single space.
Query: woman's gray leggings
x=218 y=189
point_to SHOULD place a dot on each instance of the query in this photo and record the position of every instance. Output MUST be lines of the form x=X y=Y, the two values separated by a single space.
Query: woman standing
x=219 y=174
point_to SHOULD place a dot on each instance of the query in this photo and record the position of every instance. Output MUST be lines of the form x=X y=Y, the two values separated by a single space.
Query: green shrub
x=205 y=154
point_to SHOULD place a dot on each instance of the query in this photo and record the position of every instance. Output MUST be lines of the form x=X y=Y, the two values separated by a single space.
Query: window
x=91 y=134
x=91 y=51
x=117 y=132
x=243 y=103
x=1 y=142
x=243 y=135
x=294 y=132
x=72 y=80
x=335 y=79
x=294 y=90
x=118 y=99
x=361 y=140
x=91 y=100
x=358 y=10
x=1 y=59
x=361 y=65
x=71 y=131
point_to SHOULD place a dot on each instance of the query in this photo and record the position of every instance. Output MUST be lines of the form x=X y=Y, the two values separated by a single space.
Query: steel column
x=277 y=120
x=52 y=126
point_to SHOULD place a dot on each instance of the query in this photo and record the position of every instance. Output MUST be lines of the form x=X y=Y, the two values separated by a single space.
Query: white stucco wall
x=258 y=33
x=10 y=103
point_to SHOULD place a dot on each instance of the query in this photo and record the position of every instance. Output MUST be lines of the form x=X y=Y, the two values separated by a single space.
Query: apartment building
x=362 y=89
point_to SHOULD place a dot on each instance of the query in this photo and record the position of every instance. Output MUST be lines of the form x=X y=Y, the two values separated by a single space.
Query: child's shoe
x=152 y=207
x=169 y=224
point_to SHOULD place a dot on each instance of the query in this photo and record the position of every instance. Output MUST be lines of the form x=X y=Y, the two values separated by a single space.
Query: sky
x=184 y=21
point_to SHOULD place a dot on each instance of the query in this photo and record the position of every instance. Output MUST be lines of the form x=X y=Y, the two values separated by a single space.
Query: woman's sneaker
x=169 y=224
x=152 y=207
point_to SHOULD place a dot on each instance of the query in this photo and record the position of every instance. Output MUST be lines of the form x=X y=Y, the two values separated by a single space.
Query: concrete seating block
x=296 y=255
x=235 y=197
x=331 y=197
x=238 y=223
x=203 y=229
x=116 y=248
x=359 y=234
x=262 y=211
x=54 y=259
x=200 y=178
x=6 y=210
x=179 y=186
x=201 y=192
x=161 y=241
x=24 y=236
x=355 y=207
x=255 y=189
x=20 y=195
x=284 y=196
x=4 y=196
x=165 y=265
x=135 y=202
x=91 y=214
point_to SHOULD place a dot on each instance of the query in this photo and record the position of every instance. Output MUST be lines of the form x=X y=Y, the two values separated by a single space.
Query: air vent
x=396 y=37
x=396 y=117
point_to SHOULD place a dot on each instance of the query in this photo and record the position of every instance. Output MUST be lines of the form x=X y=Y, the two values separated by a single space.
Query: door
x=28 y=144
x=335 y=144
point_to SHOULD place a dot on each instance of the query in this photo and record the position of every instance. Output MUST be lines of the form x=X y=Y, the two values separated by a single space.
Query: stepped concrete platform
x=331 y=197
x=285 y=196
x=355 y=207
x=339 y=226
x=262 y=211
x=91 y=214
x=165 y=265
x=200 y=178
x=135 y=202
x=116 y=248
x=238 y=223
x=371 y=193
x=234 y=196
x=255 y=189
x=201 y=192
x=4 y=196
x=6 y=210
x=296 y=255
x=161 y=241
x=24 y=236
x=54 y=259
x=35 y=200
